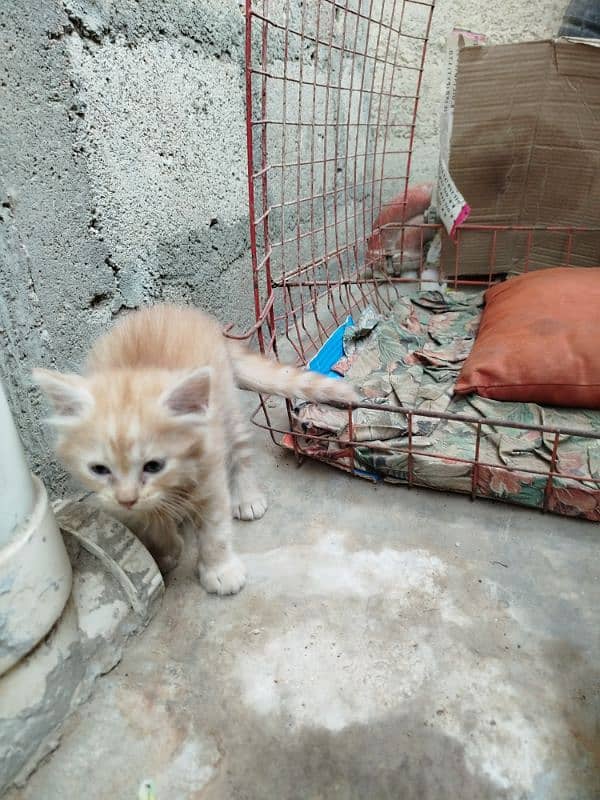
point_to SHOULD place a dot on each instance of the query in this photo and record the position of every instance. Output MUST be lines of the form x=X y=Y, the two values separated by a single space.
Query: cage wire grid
x=332 y=91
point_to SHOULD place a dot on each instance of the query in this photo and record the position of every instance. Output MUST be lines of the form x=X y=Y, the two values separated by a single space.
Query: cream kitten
x=154 y=428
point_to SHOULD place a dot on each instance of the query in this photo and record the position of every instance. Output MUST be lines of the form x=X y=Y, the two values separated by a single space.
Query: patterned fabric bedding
x=412 y=358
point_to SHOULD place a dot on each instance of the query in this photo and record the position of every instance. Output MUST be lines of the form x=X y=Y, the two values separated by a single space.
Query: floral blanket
x=412 y=358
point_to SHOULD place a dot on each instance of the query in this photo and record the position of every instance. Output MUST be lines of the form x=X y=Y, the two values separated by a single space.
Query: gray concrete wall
x=122 y=176
x=122 y=164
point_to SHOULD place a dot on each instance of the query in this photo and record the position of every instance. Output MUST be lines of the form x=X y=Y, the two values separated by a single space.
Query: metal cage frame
x=334 y=69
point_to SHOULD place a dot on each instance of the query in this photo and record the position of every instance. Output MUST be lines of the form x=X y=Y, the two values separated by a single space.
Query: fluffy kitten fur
x=154 y=428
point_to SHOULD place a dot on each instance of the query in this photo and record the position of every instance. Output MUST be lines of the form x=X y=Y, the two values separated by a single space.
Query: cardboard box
x=525 y=150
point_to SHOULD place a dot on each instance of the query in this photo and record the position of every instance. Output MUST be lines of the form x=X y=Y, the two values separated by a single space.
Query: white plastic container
x=35 y=571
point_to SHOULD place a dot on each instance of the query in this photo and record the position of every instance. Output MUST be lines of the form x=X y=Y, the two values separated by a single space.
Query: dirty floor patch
x=389 y=644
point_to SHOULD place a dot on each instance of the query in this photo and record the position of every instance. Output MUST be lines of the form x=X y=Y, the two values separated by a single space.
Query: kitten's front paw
x=227 y=577
x=167 y=563
x=168 y=553
x=249 y=507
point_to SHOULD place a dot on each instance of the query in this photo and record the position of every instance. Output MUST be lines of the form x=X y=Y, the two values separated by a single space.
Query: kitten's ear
x=190 y=395
x=69 y=395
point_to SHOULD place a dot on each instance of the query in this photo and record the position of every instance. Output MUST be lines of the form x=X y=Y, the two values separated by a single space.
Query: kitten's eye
x=99 y=469
x=154 y=466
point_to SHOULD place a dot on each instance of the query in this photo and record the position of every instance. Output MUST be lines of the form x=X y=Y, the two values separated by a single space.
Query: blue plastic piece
x=331 y=352
x=374 y=475
x=328 y=355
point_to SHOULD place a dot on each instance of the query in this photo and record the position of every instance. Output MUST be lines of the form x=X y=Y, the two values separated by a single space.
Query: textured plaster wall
x=122 y=177
x=122 y=166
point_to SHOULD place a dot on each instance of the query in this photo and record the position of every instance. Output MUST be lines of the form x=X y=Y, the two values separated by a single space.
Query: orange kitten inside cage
x=154 y=428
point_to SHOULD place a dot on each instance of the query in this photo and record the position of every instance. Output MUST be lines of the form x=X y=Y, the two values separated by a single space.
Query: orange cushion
x=539 y=340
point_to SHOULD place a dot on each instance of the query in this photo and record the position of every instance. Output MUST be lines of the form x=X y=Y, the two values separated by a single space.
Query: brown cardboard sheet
x=525 y=150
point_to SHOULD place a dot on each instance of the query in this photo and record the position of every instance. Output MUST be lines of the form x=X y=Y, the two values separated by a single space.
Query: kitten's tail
x=256 y=373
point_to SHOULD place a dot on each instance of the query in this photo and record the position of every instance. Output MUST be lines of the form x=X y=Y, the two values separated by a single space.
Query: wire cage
x=332 y=89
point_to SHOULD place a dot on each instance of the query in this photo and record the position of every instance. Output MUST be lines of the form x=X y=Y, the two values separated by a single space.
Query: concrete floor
x=389 y=644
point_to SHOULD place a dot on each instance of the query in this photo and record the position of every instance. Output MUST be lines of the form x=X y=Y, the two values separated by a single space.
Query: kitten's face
x=135 y=439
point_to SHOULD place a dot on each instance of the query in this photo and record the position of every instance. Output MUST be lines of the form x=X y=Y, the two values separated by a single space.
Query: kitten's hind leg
x=220 y=570
x=247 y=500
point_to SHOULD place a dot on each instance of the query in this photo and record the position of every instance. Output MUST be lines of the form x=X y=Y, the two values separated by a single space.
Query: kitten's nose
x=126 y=496
x=128 y=503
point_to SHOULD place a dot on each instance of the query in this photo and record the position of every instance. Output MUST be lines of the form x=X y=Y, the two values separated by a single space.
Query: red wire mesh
x=332 y=89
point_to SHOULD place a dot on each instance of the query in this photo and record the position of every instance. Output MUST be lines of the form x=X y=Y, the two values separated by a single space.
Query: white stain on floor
x=392 y=649
x=330 y=568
